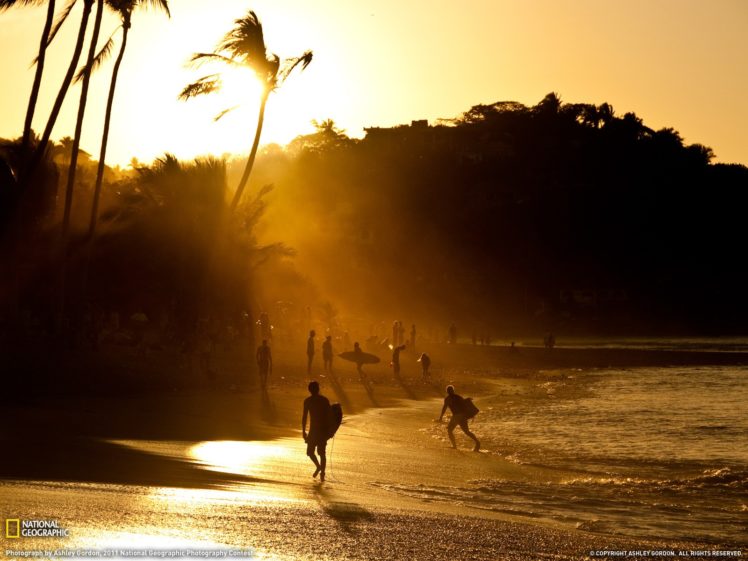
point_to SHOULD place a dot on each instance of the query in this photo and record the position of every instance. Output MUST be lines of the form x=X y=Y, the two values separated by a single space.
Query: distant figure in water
x=310 y=351
x=327 y=353
x=425 y=365
x=457 y=406
x=396 y=359
x=264 y=363
x=317 y=408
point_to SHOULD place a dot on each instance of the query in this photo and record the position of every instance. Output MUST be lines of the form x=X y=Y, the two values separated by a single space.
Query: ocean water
x=644 y=452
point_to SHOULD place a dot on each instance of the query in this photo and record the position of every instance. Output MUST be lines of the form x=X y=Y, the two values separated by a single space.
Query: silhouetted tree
x=67 y=80
x=124 y=9
x=245 y=46
x=40 y=59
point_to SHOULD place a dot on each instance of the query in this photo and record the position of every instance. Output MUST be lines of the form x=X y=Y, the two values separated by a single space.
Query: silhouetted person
x=425 y=365
x=359 y=367
x=452 y=334
x=396 y=359
x=456 y=405
x=549 y=341
x=264 y=363
x=310 y=351
x=400 y=333
x=327 y=353
x=317 y=408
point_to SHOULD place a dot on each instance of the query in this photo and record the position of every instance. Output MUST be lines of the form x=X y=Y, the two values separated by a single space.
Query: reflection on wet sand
x=245 y=458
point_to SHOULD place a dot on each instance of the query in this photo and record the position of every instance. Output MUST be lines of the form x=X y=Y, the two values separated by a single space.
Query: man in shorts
x=456 y=404
x=317 y=408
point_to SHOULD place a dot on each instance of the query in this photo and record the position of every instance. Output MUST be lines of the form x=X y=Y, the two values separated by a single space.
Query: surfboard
x=336 y=418
x=362 y=357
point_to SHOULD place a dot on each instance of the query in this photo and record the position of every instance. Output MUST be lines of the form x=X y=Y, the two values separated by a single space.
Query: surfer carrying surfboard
x=462 y=409
x=358 y=356
x=317 y=408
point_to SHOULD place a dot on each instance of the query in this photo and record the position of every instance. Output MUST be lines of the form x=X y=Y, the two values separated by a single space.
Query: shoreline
x=372 y=456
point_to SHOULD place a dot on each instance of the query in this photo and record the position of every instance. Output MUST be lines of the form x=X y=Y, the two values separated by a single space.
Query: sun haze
x=675 y=63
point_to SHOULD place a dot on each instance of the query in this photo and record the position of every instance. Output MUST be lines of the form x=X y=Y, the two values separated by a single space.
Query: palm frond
x=157 y=5
x=245 y=41
x=205 y=85
x=99 y=59
x=291 y=63
x=198 y=59
x=7 y=4
x=61 y=17
x=223 y=113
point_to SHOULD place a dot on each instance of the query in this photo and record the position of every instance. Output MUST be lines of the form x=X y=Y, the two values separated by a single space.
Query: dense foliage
x=552 y=216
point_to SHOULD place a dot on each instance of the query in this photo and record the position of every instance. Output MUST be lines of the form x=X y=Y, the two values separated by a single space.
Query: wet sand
x=212 y=468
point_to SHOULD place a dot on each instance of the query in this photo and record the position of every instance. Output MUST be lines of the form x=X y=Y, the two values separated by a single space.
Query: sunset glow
x=389 y=64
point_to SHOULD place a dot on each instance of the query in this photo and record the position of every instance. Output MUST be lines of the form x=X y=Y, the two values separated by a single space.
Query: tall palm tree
x=85 y=77
x=124 y=8
x=40 y=58
x=40 y=148
x=244 y=46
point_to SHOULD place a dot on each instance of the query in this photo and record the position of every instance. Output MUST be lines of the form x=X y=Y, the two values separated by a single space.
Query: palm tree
x=38 y=153
x=244 y=46
x=40 y=58
x=84 y=75
x=124 y=8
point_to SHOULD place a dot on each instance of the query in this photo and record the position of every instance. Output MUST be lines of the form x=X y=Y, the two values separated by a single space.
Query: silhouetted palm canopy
x=244 y=46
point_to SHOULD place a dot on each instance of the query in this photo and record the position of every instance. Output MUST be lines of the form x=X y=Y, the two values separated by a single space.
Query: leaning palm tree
x=85 y=77
x=124 y=8
x=41 y=147
x=244 y=46
x=40 y=58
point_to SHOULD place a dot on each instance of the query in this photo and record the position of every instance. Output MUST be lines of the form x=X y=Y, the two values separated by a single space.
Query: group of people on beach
x=317 y=410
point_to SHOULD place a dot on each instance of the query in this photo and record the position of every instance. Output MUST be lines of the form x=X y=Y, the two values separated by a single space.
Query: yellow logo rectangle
x=9 y=522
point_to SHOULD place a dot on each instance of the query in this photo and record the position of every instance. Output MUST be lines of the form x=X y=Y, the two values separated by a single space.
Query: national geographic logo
x=17 y=528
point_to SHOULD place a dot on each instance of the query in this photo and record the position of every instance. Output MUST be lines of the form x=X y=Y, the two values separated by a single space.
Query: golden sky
x=676 y=63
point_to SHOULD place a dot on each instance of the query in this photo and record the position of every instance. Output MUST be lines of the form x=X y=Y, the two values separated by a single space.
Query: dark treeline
x=560 y=217
x=556 y=216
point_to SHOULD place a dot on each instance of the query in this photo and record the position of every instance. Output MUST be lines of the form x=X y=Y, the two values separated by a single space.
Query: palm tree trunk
x=73 y=164
x=37 y=156
x=105 y=135
x=79 y=122
x=252 y=153
x=102 y=154
x=37 y=76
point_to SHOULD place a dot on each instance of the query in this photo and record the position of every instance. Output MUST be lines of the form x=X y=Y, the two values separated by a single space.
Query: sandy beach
x=212 y=468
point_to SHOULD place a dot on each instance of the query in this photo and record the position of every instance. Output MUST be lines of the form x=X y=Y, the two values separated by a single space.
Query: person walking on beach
x=457 y=406
x=396 y=360
x=359 y=360
x=310 y=351
x=264 y=363
x=425 y=365
x=317 y=409
x=327 y=353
